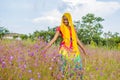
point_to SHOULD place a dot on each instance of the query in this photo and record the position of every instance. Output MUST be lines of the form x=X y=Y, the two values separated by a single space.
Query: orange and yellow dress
x=68 y=47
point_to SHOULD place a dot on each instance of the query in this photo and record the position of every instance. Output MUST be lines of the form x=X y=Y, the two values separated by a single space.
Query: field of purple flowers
x=25 y=60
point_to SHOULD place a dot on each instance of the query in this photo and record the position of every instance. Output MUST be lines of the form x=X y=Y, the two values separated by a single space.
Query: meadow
x=25 y=60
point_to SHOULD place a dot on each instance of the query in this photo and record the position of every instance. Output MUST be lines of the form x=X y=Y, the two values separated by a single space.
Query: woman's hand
x=45 y=50
x=51 y=42
x=84 y=52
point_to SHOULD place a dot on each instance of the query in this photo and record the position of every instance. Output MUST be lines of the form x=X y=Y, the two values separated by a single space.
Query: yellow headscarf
x=66 y=33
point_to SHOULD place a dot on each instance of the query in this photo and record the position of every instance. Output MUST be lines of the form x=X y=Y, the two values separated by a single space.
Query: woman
x=69 y=46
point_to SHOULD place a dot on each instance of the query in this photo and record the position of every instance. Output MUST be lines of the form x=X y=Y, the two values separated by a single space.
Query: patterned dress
x=68 y=56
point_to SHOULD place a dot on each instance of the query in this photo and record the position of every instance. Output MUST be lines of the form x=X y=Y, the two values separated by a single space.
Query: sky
x=27 y=16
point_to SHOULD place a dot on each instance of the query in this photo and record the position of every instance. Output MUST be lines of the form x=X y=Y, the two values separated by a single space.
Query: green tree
x=23 y=36
x=90 y=28
x=16 y=36
x=111 y=39
x=3 y=31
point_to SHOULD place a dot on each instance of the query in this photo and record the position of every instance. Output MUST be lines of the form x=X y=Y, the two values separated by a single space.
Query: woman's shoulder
x=58 y=28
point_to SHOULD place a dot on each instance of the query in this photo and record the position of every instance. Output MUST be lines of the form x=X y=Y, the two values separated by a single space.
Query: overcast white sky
x=27 y=16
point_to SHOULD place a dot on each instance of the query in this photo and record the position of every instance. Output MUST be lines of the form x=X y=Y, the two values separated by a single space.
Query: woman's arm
x=52 y=41
x=81 y=46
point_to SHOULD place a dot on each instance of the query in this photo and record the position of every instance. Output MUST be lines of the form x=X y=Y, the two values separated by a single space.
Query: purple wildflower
x=11 y=58
x=96 y=69
x=29 y=71
x=31 y=79
x=38 y=75
x=0 y=60
x=50 y=68
x=25 y=66
x=101 y=74
x=3 y=65
x=31 y=54
x=36 y=46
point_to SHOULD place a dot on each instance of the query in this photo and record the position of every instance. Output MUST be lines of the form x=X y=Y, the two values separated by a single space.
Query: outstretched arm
x=52 y=41
x=81 y=46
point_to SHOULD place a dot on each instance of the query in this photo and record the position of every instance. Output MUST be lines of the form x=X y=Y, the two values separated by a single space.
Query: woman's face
x=65 y=21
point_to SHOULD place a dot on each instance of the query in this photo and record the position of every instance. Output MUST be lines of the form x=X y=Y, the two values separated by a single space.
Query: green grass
x=24 y=60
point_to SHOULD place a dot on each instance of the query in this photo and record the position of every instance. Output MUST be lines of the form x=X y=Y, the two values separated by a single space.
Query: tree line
x=89 y=31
